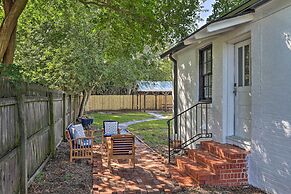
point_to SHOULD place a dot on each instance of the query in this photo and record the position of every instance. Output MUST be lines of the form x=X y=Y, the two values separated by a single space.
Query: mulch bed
x=222 y=190
x=62 y=176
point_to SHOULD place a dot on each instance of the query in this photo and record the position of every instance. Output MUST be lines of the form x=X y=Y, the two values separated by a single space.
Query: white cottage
x=237 y=72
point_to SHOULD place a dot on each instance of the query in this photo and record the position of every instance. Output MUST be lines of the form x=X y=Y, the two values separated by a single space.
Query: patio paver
x=151 y=174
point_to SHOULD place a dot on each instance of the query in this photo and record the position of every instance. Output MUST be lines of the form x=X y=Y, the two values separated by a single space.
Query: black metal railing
x=187 y=127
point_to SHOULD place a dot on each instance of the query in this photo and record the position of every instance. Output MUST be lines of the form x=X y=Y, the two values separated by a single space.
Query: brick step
x=224 y=151
x=198 y=172
x=182 y=178
x=214 y=164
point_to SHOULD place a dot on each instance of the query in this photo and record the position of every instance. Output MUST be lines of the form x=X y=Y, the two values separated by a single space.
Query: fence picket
x=128 y=102
x=24 y=129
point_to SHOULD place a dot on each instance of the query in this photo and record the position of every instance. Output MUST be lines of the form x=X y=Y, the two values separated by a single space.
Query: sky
x=207 y=5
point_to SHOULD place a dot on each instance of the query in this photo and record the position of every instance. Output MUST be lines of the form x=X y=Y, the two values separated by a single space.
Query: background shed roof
x=154 y=86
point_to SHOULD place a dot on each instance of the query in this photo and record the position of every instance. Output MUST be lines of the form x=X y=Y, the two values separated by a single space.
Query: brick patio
x=151 y=174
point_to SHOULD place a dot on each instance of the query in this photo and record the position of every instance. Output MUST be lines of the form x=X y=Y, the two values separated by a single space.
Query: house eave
x=228 y=23
x=219 y=27
x=211 y=29
x=174 y=49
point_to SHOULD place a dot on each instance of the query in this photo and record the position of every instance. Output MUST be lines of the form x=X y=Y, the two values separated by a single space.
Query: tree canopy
x=72 y=49
x=77 y=45
x=221 y=7
x=133 y=23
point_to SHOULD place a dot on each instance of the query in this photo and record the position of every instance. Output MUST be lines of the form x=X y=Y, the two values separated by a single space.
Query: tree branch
x=9 y=24
x=108 y=4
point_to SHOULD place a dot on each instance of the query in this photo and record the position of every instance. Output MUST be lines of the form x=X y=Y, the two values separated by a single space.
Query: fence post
x=64 y=116
x=52 y=126
x=144 y=102
x=140 y=103
x=70 y=108
x=166 y=102
x=23 y=142
x=136 y=101
x=75 y=107
x=132 y=101
x=156 y=102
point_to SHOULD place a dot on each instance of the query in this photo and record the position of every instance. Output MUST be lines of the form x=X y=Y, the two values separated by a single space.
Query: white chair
x=109 y=128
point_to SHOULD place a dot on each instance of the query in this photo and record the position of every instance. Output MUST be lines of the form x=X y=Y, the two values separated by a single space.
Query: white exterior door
x=242 y=90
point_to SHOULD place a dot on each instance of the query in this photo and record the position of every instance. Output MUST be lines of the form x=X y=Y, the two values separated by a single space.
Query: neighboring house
x=241 y=65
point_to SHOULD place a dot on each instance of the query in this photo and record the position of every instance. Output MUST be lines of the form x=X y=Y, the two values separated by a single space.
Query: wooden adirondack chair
x=80 y=147
x=121 y=147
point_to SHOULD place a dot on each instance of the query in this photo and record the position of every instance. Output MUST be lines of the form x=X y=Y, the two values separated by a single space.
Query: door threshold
x=239 y=141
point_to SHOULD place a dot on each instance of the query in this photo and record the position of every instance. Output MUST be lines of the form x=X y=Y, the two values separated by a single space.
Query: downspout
x=175 y=95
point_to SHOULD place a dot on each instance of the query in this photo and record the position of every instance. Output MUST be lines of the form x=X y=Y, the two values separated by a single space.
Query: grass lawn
x=154 y=133
x=121 y=117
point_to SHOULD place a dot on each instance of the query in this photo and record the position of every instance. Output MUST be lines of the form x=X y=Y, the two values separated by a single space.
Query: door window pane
x=206 y=92
x=247 y=65
x=209 y=55
x=208 y=67
x=240 y=66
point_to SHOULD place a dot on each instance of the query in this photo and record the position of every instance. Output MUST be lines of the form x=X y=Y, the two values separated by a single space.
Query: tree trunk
x=86 y=96
x=82 y=105
x=9 y=54
x=87 y=99
x=12 y=9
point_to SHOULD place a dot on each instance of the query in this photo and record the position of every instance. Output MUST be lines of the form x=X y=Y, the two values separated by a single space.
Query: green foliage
x=221 y=7
x=13 y=72
x=61 y=45
x=147 y=21
x=68 y=176
x=76 y=46
x=40 y=177
x=1 y=12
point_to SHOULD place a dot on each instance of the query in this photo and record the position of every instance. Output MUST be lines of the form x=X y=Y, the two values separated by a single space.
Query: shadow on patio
x=150 y=175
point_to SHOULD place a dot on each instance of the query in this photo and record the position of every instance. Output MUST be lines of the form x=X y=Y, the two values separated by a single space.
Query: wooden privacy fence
x=129 y=102
x=32 y=123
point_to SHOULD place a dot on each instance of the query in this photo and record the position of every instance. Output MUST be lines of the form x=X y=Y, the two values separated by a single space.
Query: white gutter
x=219 y=27
x=230 y=22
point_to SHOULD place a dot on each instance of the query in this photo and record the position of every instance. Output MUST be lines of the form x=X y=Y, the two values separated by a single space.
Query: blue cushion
x=86 y=143
x=86 y=122
x=78 y=131
x=70 y=128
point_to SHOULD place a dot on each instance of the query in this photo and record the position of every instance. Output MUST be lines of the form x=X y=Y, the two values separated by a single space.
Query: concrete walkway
x=124 y=126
